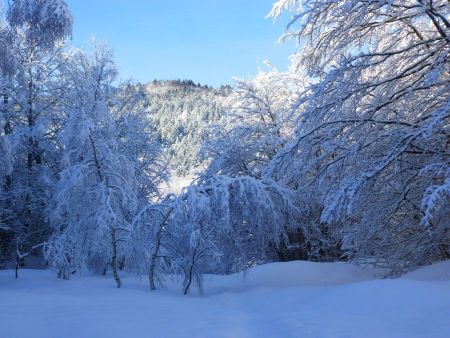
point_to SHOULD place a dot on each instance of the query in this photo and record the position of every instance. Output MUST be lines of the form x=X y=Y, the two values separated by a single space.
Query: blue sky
x=208 y=41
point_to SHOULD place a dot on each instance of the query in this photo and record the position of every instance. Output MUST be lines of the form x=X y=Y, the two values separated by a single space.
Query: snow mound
x=436 y=272
x=289 y=275
x=297 y=273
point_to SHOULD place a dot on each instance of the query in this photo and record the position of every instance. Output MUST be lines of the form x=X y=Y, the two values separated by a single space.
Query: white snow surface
x=295 y=299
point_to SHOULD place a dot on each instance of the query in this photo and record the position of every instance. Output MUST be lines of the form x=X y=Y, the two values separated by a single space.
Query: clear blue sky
x=208 y=41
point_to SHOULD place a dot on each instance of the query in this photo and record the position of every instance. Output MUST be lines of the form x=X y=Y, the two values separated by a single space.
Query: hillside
x=181 y=112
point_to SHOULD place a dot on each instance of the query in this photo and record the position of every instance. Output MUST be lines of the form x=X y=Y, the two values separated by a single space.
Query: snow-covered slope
x=296 y=299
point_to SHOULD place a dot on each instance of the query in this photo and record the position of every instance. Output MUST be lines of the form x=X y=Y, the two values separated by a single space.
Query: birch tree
x=96 y=194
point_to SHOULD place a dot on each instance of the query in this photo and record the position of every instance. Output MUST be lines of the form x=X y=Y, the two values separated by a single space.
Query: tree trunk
x=191 y=270
x=21 y=256
x=17 y=266
x=151 y=274
x=8 y=131
x=114 y=258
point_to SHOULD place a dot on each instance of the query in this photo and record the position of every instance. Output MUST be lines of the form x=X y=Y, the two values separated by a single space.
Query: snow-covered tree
x=218 y=225
x=138 y=138
x=5 y=174
x=45 y=23
x=373 y=127
x=28 y=35
x=96 y=195
x=30 y=115
x=258 y=124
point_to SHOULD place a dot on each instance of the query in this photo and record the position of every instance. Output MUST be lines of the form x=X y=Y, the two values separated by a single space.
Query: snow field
x=296 y=299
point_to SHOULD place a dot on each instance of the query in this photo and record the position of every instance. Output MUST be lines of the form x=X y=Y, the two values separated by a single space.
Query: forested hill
x=181 y=112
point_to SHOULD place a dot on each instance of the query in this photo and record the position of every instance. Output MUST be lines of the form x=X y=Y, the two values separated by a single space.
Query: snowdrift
x=295 y=299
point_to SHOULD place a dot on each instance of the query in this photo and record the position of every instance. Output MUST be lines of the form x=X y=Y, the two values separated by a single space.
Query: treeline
x=176 y=83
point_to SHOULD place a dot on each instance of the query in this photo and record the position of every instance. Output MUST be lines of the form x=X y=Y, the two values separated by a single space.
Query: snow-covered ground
x=296 y=299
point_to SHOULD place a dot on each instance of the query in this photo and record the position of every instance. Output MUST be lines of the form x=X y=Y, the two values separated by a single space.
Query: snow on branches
x=373 y=122
x=219 y=225
x=46 y=21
